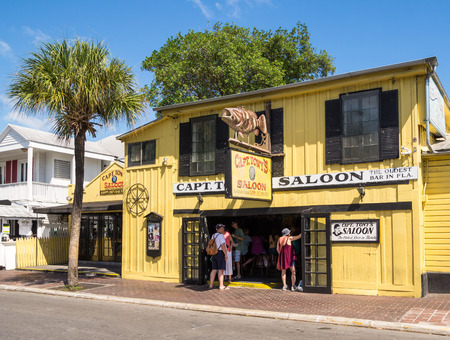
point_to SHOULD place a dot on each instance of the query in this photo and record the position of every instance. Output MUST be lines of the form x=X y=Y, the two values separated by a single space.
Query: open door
x=316 y=253
x=194 y=256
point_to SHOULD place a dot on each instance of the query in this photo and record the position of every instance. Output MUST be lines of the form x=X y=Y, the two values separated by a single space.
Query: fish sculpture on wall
x=244 y=121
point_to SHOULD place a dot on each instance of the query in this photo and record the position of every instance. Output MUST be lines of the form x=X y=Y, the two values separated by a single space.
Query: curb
x=393 y=326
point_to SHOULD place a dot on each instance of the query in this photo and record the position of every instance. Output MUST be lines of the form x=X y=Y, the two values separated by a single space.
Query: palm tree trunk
x=72 y=274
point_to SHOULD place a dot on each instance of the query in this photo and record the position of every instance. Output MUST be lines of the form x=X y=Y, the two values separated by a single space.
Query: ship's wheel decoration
x=137 y=199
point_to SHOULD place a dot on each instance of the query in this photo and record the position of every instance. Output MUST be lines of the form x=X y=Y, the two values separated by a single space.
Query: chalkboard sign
x=154 y=232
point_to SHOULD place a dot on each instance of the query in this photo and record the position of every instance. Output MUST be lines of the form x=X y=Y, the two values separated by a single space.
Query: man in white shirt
x=219 y=260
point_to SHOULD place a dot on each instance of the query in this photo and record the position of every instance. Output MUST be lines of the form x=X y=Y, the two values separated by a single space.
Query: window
x=360 y=113
x=2 y=173
x=362 y=127
x=61 y=169
x=23 y=171
x=203 y=141
x=142 y=153
x=203 y=155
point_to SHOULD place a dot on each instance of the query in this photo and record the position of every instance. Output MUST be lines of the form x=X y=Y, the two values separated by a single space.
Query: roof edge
x=432 y=61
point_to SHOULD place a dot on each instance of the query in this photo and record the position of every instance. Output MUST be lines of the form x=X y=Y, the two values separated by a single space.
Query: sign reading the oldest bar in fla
x=355 y=231
x=111 y=183
x=248 y=176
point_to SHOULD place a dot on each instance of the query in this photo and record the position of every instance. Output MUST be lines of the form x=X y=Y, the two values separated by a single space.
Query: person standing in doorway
x=229 y=262
x=219 y=260
x=286 y=257
x=238 y=237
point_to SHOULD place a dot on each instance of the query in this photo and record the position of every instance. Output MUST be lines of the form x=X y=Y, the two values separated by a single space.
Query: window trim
x=55 y=160
x=140 y=161
x=203 y=119
x=389 y=126
x=341 y=96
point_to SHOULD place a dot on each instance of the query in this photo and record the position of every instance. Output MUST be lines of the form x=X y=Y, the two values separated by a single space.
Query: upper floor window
x=142 y=153
x=202 y=146
x=2 y=173
x=61 y=169
x=203 y=155
x=23 y=171
x=362 y=127
x=360 y=122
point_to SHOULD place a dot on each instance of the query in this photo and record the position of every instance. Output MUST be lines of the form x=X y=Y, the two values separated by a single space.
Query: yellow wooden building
x=101 y=221
x=352 y=168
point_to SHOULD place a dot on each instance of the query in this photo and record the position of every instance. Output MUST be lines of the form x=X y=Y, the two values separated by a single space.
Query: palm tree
x=79 y=87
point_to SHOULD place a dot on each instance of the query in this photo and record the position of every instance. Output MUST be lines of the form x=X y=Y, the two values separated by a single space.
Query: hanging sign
x=436 y=107
x=111 y=183
x=6 y=228
x=346 y=178
x=355 y=231
x=248 y=176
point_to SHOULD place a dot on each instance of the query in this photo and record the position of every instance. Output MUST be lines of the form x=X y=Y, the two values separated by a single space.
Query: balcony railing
x=42 y=192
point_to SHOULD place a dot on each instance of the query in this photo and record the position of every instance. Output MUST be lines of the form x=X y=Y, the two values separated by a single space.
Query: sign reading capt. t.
x=245 y=122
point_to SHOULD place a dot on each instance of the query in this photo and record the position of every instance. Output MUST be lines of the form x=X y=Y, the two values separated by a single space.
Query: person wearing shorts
x=238 y=238
x=219 y=260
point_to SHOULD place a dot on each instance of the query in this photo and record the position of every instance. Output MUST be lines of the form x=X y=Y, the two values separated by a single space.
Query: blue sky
x=358 y=34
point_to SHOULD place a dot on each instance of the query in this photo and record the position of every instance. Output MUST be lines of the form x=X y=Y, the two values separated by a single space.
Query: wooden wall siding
x=376 y=269
x=437 y=215
x=395 y=262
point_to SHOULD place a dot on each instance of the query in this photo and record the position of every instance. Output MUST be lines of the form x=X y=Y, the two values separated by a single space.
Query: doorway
x=316 y=251
x=101 y=237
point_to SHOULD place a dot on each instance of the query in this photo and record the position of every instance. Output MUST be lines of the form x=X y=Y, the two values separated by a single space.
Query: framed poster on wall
x=154 y=233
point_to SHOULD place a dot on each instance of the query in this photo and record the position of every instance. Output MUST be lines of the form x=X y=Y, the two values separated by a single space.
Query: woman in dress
x=286 y=254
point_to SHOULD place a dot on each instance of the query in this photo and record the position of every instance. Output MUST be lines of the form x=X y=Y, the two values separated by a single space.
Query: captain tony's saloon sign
x=366 y=231
x=111 y=182
x=248 y=176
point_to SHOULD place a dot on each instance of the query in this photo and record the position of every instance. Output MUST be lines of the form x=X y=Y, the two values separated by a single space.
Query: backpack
x=211 y=248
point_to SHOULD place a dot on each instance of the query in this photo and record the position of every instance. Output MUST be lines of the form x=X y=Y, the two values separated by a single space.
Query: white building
x=36 y=168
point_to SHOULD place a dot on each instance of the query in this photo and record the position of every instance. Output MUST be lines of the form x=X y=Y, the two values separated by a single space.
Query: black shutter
x=277 y=131
x=333 y=131
x=389 y=127
x=222 y=135
x=184 y=160
x=277 y=141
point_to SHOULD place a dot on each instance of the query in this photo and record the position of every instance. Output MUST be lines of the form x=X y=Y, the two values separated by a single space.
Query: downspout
x=427 y=93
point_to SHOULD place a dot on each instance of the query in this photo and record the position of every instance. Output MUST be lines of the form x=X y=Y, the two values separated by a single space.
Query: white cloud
x=37 y=35
x=5 y=49
x=205 y=10
x=28 y=121
x=12 y=116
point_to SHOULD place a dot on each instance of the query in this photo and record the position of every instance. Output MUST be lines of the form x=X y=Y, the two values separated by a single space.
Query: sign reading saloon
x=248 y=176
x=111 y=183
x=355 y=231
x=345 y=178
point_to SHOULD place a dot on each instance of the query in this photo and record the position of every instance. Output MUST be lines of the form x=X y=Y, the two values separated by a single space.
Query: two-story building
x=36 y=168
x=348 y=161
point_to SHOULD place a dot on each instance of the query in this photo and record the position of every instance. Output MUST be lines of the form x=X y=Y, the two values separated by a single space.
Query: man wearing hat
x=219 y=260
x=286 y=252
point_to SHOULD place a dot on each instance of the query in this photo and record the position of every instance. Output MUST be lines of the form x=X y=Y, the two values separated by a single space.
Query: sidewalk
x=430 y=315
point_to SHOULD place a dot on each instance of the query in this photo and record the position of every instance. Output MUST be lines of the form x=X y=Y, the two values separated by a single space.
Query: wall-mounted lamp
x=361 y=192
x=69 y=198
x=165 y=159
x=200 y=199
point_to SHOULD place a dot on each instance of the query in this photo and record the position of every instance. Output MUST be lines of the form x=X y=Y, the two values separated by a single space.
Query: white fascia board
x=12 y=147
x=54 y=148
x=70 y=151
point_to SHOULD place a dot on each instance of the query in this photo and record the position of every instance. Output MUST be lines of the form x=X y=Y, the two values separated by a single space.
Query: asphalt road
x=36 y=316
